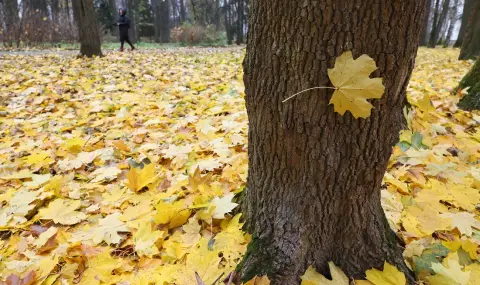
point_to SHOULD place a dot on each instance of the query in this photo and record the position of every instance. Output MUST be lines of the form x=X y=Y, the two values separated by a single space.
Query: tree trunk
x=183 y=14
x=313 y=191
x=132 y=8
x=426 y=25
x=194 y=10
x=471 y=42
x=88 y=32
x=453 y=20
x=240 y=11
x=162 y=20
x=438 y=22
x=11 y=19
x=467 y=6
x=228 y=21
x=112 y=6
x=471 y=101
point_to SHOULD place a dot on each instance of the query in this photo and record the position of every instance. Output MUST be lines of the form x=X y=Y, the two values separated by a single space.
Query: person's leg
x=121 y=44
x=131 y=45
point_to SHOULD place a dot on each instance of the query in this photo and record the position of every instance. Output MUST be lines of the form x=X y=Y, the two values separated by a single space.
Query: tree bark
x=471 y=101
x=438 y=22
x=471 y=42
x=313 y=190
x=88 y=32
x=452 y=21
x=426 y=25
x=467 y=6
x=229 y=28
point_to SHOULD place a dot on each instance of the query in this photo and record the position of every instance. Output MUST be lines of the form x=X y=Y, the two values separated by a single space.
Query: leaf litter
x=124 y=170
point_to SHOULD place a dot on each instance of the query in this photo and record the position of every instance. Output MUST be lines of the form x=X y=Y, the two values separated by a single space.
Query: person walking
x=123 y=24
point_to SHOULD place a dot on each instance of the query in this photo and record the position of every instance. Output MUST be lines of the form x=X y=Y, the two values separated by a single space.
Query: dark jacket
x=123 y=26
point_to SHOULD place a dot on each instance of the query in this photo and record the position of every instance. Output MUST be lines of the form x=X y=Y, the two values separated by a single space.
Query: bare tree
x=440 y=16
x=452 y=19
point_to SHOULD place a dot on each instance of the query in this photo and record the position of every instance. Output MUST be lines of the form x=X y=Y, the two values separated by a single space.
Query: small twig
x=313 y=88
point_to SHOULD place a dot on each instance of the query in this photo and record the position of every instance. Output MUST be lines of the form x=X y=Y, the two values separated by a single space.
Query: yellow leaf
x=45 y=236
x=62 y=211
x=74 y=145
x=448 y=273
x=389 y=276
x=474 y=269
x=312 y=277
x=354 y=86
x=141 y=177
x=263 y=280
x=144 y=240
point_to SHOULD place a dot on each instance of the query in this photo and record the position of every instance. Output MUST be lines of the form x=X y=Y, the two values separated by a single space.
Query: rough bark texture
x=471 y=41
x=426 y=24
x=438 y=22
x=471 y=101
x=313 y=192
x=467 y=6
x=88 y=32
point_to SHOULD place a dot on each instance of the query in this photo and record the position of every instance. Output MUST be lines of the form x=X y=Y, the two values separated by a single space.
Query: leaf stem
x=303 y=91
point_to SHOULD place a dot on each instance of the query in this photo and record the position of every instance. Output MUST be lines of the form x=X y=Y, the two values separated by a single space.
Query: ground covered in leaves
x=127 y=170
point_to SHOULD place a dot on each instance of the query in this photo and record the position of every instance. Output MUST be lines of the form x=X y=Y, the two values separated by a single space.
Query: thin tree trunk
x=453 y=21
x=471 y=101
x=240 y=11
x=471 y=42
x=183 y=14
x=11 y=19
x=162 y=20
x=438 y=23
x=228 y=22
x=313 y=190
x=467 y=6
x=88 y=32
x=112 y=6
x=132 y=8
x=194 y=10
x=426 y=24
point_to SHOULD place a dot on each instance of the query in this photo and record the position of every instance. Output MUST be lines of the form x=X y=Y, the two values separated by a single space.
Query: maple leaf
x=107 y=230
x=63 y=211
x=463 y=221
x=13 y=279
x=351 y=78
x=389 y=276
x=223 y=205
x=312 y=277
x=105 y=174
x=450 y=273
x=142 y=176
x=144 y=240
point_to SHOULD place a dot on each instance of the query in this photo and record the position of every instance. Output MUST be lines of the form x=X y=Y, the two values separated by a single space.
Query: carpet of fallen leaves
x=125 y=169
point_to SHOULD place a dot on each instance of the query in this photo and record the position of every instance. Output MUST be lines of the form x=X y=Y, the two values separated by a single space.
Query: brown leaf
x=13 y=279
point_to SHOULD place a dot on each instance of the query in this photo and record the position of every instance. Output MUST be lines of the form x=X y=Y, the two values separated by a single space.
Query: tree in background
x=467 y=6
x=145 y=19
x=471 y=41
x=104 y=14
x=426 y=24
x=88 y=31
x=452 y=20
x=161 y=13
x=11 y=19
x=439 y=19
x=314 y=177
